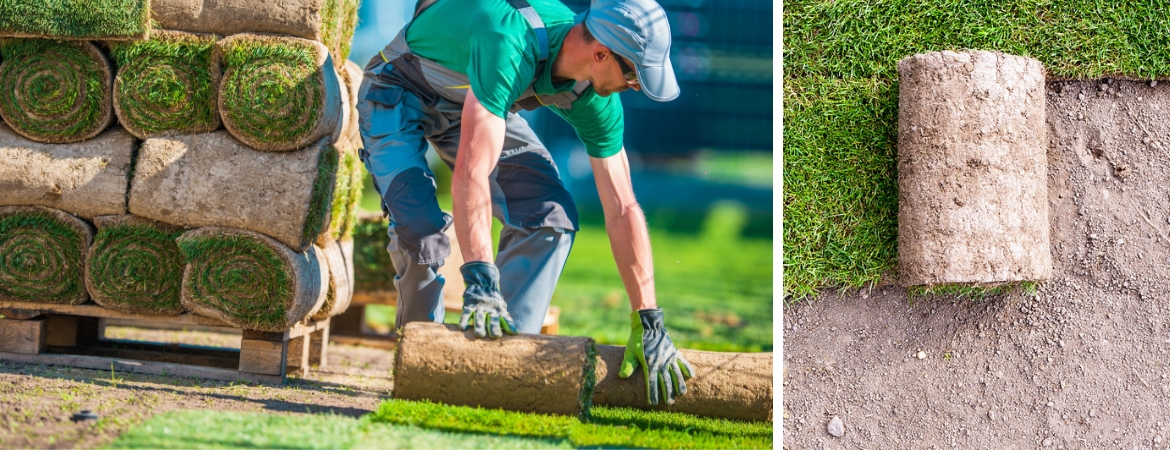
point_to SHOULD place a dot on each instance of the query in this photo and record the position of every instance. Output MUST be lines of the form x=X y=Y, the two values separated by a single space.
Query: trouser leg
x=531 y=261
x=395 y=147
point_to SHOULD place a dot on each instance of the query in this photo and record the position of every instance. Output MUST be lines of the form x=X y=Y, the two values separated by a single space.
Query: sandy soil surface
x=1080 y=363
x=37 y=402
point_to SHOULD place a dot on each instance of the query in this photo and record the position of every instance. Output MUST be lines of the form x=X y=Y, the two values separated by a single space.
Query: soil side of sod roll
x=250 y=280
x=331 y=22
x=55 y=91
x=529 y=373
x=726 y=385
x=135 y=266
x=65 y=19
x=213 y=180
x=167 y=85
x=88 y=179
x=972 y=169
x=352 y=74
x=42 y=255
x=340 y=289
x=278 y=93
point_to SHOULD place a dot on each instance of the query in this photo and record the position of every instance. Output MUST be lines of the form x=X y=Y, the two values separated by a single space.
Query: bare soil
x=1080 y=363
x=37 y=402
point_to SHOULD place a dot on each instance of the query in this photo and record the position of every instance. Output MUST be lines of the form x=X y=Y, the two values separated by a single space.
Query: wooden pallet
x=72 y=335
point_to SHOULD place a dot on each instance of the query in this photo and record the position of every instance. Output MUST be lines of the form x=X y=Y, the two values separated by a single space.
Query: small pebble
x=921 y=355
x=1158 y=439
x=1153 y=83
x=836 y=427
x=1047 y=442
x=991 y=415
x=1146 y=140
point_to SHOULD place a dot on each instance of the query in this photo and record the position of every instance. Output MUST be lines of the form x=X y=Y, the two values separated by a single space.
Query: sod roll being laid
x=249 y=280
x=74 y=19
x=167 y=85
x=279 y=93
x=87 y=179
x=972 y=169
x=134 y=265
x=340 y=288
x=329 y=21
x=726 y=385
x=212 y=179
x=42 y=255
x=55 y=91
x=529 y=373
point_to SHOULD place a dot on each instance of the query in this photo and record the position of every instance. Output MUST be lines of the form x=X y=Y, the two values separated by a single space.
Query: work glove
x=662 y=364
x=483 y=302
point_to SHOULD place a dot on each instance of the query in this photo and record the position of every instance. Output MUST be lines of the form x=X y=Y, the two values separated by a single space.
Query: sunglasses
x=630 y=74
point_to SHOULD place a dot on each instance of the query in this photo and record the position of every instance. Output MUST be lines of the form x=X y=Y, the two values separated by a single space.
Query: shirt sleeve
x=598 y=121
x=496 y=67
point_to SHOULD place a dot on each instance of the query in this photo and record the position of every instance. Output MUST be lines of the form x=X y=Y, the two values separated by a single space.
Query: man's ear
x=600 y=52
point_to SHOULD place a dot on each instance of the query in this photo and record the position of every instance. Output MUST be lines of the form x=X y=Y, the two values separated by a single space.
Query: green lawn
x=841 y=100
x=403 y=424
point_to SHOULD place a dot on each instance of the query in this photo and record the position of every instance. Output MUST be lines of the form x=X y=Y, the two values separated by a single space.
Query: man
x=455 y=76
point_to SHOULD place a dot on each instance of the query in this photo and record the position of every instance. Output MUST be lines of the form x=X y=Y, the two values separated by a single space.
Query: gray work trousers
x=527 y=194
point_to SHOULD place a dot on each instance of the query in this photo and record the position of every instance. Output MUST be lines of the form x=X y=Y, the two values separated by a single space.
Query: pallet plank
x=91 y=310
x=145 y=367
x=263 y=357
x=23 y=336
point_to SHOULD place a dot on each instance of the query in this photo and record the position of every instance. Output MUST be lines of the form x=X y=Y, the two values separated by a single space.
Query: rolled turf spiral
x=340 y=287
x=167 y=85
x=249 y=280
x=278 y=93
x=344 y=200
x=42 y=254
x=55 y=91
x=135 y=266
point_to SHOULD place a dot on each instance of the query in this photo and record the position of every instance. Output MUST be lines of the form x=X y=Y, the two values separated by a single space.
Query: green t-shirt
x=492 y=43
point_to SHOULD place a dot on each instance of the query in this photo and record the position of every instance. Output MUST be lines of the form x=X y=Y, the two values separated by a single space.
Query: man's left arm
x=649 y=346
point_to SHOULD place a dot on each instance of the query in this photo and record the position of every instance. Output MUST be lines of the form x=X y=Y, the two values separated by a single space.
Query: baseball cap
x=637 y=30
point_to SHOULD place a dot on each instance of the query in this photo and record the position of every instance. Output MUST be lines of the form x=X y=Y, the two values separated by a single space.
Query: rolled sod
x=972 y=169
x=529 y=373
x=340 y=289
x=88 y=179
x=346 y=196
x=726 y=385
x=42 y=255
x=135 y=266
x=249 y=280
x=329 y=21
x=55 y=91
x=167 y=85
x=212 y=179
x=75 y=19
x=352 y=75
x=278 y=93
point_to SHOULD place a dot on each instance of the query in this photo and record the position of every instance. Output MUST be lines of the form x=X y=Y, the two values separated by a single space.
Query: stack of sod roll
x=171 y=156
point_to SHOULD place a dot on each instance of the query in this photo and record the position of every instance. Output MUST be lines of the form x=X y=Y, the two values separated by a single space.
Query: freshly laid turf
x=135 y=266
x=55 y=91
x=167 y=85
x=42 y=255
x=75 y=19
x=220 y=429
x=841 y=99
x=609 y=427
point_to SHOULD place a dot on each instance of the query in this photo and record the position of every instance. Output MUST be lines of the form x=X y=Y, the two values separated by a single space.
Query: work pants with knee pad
x=527 y=196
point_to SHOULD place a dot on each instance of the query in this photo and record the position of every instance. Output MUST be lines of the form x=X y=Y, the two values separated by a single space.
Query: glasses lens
x=630 y=74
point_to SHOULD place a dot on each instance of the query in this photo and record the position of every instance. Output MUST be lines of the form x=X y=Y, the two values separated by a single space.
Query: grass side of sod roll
x=239 y=276
x=41 y=258
x=841 y=101
x=75 y=19
x=52 y=91
x=167 y=84
x=321 y=202
x=138 y=265
x=341 y=207
x=272 y=89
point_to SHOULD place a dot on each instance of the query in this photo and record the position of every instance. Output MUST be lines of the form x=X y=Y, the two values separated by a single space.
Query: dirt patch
x=39 y=401
x=971 y=169
x=1081 y=363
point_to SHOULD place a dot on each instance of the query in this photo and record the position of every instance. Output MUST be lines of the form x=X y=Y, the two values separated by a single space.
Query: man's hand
x=482 y=300
x=662 y=364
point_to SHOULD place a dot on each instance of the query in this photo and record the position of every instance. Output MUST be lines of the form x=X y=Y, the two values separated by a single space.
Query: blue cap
x=637 y=30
